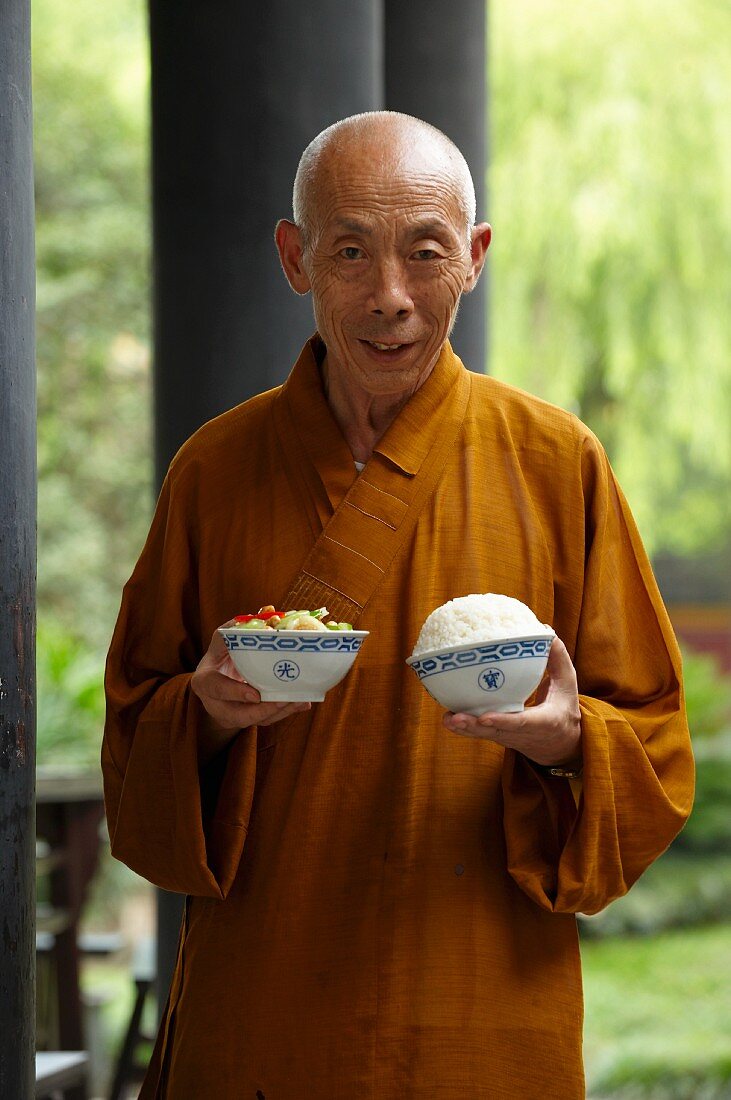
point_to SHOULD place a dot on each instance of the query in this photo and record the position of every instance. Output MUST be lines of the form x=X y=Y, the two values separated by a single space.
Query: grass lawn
x=658 y=1015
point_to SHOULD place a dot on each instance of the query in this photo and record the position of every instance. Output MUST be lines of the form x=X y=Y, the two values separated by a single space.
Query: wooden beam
x=17 y=558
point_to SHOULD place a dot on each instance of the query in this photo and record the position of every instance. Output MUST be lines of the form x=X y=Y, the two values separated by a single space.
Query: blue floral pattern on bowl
x=294 y=666
x=274 y=642
x=480 y=655
x=474 y=678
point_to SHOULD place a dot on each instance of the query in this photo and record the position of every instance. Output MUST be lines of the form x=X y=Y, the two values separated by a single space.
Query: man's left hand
x=548 y=732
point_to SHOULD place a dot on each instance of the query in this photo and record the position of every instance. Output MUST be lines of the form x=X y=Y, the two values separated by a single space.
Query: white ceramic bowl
x=475 y=678
x=293 y=666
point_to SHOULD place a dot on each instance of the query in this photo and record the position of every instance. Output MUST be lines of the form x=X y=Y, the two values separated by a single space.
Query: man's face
x=387 y=261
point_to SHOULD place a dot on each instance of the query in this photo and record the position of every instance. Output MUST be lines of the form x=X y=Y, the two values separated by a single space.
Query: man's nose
x=390 y=296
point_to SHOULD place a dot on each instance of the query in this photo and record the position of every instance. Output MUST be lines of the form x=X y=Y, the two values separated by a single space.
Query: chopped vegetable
x=263 y=616
x=268 y=618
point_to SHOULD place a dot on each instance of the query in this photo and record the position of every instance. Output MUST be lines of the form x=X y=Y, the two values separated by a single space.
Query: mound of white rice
x=476 y=618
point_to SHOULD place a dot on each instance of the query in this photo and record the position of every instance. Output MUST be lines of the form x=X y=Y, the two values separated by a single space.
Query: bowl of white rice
x=483 y=652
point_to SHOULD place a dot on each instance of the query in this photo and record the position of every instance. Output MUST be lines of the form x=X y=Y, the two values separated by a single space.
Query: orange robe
x=377 y=907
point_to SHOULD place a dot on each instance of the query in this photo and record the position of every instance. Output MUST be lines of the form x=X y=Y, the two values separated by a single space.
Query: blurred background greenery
x=610 y=196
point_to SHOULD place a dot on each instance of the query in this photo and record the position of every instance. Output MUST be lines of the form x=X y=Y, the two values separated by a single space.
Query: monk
x=379 y=907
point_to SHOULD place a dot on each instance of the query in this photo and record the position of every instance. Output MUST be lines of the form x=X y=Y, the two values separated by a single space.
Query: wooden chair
x=130 y=1069
x=61 y=1075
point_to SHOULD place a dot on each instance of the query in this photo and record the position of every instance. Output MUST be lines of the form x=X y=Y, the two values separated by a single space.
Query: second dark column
x=435 y=67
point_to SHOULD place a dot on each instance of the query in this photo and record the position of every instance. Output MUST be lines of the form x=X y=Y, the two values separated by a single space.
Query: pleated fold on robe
x=377 y=907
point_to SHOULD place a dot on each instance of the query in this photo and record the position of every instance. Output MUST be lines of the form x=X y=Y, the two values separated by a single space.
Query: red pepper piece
x=264 y=615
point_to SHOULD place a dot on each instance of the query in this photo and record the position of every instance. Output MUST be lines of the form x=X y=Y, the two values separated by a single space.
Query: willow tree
x=611 y=265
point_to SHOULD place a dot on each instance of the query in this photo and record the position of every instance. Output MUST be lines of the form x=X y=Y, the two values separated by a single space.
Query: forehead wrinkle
x=341 y=182
x=430 y=227
x=340 y=178
x=433 y=210
x=426 y=218
x=350 y=225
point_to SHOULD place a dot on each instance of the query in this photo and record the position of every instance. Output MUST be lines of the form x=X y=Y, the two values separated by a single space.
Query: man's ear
x=289 y=245
x=481 y=237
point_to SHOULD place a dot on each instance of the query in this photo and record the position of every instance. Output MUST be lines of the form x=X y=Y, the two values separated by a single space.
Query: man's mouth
x=385 y=347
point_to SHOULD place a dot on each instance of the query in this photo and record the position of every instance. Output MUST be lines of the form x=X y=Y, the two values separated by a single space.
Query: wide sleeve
x=575 y=851
x=175 y=821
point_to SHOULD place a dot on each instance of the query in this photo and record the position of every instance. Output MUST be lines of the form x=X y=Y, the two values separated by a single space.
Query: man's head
x=381 y=126
x=384 y=237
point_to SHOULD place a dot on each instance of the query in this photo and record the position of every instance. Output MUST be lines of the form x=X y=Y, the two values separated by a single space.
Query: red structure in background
x=705 y=629
x=697 y=594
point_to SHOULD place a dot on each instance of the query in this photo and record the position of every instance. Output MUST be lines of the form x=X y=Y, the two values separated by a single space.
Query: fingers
x=218 y=686
x=486 y=725
x=232 y=715
x=244 y=715
x=549 y=732
x=234 y=703
x=278 y=711
x=545 y=719
x=546 y=743
x=468 y=726
x=519 y=722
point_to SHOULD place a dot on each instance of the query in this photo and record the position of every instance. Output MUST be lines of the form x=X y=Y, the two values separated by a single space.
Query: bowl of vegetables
x=292 y=656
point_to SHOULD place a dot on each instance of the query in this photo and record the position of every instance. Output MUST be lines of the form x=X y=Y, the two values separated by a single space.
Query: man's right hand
x=231 y=702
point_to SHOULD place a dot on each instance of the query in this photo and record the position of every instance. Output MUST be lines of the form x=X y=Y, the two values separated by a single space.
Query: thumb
x=217 y=650
x=560 y=667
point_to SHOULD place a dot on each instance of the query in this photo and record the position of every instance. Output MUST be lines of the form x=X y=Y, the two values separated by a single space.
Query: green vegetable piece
x=254 y=624
x=332 y=626
x=320 y=613
x=345 y=626
x=287 y=621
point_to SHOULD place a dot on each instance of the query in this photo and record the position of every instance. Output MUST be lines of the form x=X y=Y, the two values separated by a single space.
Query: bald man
x=380 y=897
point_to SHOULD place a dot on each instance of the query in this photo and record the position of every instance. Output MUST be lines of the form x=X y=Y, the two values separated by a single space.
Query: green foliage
x=70 y=698
x=709 y=826
x=90 y=121
x=610 y=188
x=708 y=700
x=656 y=1016
x=677 y=891
x=707 y=695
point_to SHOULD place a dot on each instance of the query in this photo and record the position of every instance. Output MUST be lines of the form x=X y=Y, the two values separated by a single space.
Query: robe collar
x=406 y=442
x=411 y=436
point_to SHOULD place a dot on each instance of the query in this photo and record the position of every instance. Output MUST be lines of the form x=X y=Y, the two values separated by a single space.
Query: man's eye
x=426 y=254
x=351 y=253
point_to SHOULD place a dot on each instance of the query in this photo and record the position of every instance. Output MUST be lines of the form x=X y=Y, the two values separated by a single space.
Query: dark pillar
x=238 y=90
x=17 y=559
x=435 y=68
